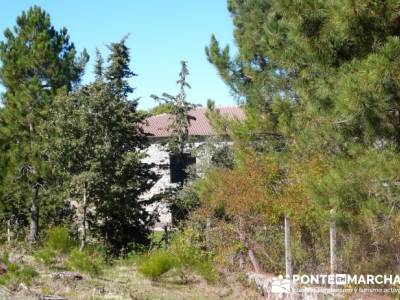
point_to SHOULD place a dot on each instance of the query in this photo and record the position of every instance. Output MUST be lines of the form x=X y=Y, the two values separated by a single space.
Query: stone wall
x=157 y=154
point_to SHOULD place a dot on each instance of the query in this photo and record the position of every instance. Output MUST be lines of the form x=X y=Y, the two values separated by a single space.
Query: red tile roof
x=157 y=126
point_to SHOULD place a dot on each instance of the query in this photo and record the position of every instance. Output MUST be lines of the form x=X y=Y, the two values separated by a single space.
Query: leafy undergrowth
x=182 y=272
x=186 y=256
x=16 y=273
x=88 y=261
x=122 y=281
x=157 y=264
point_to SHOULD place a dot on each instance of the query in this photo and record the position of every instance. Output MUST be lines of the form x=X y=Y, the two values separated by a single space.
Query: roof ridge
x=158 y=125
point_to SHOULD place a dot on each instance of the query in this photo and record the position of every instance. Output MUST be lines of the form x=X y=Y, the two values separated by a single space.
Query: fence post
x=332 y=241
x=208 y=228
x=288 y=253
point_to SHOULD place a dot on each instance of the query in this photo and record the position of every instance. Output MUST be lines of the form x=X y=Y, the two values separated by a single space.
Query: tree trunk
x=332 y=241
x=84 y=213
x=34 y=226
x=288 y=253
x=166 y=237
x=208 y=227
x=8 y=231
x=242 y=240
x=254 y=261
x=245 y=243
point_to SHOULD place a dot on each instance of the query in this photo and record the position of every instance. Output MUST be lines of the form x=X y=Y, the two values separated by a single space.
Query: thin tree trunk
x=8 y=231
x=254 y=261
x=18 y=229
x=34 y=222
x=242 y=240
x=288 y=253
x=84 y=213
x=332 y=241
x=241 y=260
x=208 y=227
x=166 y=237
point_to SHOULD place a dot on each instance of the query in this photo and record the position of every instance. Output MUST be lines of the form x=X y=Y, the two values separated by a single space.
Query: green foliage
x=185 y=255
x=157 y=264
x=119 y=71
x=184 y=202
x=27 y=274
x=223 y=157
x=58 y=244
x=59 y=240
x=162 y=108
x=179 y=108
x=188 y=250
x=320 y=86
x=37 y=62
x=206 y=270
x=88 y=261
x=45 y=256
x=320 y=73
x=16 y=274
x=95 y=146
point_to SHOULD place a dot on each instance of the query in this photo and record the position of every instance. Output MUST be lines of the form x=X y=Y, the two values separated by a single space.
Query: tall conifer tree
x=38 y=62
x=96 y=148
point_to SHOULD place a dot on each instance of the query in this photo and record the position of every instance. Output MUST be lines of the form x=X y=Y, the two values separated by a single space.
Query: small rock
x=23 y=286
x=3 y=269
x=67 y=275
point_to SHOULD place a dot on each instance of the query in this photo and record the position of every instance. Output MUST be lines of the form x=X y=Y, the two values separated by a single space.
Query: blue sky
x=162 y=33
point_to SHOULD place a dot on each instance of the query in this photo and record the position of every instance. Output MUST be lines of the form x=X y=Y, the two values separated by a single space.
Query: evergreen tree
x=96 y=148
x=324 y=71
x=37 y=63
x=179 y=141
x=179 y=109
x=118 y=71
x=99 y=65
x=322 y=76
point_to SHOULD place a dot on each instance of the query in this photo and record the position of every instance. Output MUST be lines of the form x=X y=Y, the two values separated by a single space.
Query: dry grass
x=122 y=281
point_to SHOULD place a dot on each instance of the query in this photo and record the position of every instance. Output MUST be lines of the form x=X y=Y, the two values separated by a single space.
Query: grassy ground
x=122 y=281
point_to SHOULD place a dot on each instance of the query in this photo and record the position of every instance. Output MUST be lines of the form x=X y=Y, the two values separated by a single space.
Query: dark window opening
x=178 y=164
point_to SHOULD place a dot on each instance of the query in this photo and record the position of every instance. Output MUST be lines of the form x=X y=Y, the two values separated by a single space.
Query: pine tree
x=324 y=77
x=99 y=66
x=118 y=71
x=315 y=70
x=179 y=110
x=96 y=148
x=179 y=143
x=37 y=63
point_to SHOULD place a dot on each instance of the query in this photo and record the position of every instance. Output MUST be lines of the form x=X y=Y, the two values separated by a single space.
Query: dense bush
x=45 y=256
x=59 y=240
x=185 y=255
x=157 y=264
x=88 y=261
x=58 y=243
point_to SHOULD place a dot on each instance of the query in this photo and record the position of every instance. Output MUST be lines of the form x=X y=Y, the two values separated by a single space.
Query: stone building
x=157 y=130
